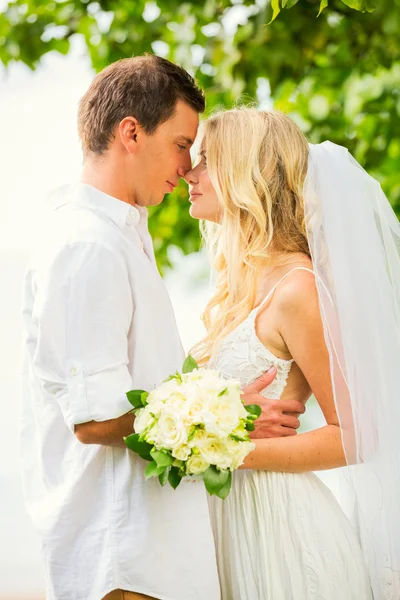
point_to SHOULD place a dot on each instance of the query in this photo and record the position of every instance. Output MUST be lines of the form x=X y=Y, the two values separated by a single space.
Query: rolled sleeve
x=83 y=310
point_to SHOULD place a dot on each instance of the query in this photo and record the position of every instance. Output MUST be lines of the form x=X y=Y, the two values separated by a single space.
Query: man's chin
x=151 y=201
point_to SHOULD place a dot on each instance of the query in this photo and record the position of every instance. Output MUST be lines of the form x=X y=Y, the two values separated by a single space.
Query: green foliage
x=161 y=458
x=336 y=74
x=189 y=365
x=174 y=477
x=137 y=398
x=142 y=448
x=217 y=482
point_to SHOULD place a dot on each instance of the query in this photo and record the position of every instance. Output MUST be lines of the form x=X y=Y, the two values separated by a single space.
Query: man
x=98 y=323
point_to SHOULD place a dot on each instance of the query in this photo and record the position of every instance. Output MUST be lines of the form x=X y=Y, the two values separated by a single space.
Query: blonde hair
x=257 y=163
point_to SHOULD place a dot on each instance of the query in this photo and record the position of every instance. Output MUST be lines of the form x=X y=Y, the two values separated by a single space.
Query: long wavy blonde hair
x=257 y=163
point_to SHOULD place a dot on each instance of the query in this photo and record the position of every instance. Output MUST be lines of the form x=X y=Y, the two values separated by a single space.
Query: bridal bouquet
x=193 y=424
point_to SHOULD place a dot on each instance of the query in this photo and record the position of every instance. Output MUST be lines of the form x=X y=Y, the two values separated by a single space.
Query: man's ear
x=129 y=131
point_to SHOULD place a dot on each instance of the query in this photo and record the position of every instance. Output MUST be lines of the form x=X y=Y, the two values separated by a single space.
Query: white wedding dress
x=280 y=536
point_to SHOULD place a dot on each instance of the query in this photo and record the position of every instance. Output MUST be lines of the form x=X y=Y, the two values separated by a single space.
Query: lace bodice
x=243 y=356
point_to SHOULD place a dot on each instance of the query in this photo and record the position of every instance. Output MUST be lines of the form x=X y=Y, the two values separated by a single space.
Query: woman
x=279 y=301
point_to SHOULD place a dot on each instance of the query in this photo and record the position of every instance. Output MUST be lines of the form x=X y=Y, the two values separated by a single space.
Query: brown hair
x=145 y=87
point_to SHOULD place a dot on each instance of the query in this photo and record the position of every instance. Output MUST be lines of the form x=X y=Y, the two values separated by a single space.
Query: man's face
x=163 y=158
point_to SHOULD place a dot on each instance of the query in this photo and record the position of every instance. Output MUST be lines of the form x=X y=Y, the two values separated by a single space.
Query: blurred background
x=337 y=75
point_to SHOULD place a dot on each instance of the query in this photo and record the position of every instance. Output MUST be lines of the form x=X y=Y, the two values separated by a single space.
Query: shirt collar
x=121 y=213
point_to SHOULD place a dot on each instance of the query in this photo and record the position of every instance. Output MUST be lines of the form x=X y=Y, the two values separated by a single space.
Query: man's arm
x=106 y=433
x=83 y=311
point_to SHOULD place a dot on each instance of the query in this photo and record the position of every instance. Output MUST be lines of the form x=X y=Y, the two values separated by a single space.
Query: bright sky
x=39 y=148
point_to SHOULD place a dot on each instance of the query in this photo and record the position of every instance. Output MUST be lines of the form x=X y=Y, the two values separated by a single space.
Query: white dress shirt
x=98 y=322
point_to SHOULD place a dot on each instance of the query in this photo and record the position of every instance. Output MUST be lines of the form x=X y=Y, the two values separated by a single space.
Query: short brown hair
x=145 y=87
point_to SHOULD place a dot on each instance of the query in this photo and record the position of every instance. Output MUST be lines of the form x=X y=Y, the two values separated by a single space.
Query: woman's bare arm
x=301 y=329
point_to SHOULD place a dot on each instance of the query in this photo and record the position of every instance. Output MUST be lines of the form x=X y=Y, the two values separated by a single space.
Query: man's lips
x=171 y=185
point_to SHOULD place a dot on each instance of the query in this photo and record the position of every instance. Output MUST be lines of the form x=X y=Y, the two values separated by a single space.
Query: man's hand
x=278 y=417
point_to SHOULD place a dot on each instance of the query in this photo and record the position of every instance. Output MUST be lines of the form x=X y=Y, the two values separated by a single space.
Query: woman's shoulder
x=298 y=291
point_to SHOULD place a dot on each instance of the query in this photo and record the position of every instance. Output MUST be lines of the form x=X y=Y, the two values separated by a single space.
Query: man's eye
x=182 y=147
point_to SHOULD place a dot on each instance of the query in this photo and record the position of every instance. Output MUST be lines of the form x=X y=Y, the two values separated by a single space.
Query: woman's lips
x=194 y=195
x=171 y=186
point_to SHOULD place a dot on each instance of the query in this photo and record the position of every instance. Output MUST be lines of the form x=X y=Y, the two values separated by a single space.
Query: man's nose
x=185 y=166
x=182 y=171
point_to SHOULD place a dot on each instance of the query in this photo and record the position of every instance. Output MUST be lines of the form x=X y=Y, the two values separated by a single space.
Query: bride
x=306 y=251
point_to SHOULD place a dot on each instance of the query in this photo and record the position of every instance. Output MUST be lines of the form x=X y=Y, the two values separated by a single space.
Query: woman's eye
x=181 y=147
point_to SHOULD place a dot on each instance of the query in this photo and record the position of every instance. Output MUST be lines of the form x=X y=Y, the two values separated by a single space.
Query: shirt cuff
x=95 y=397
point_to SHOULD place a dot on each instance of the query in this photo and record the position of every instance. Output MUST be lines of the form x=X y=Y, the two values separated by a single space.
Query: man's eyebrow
x=187 y=140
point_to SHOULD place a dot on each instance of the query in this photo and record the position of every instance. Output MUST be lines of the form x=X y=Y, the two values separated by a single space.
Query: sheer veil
x=354 y=238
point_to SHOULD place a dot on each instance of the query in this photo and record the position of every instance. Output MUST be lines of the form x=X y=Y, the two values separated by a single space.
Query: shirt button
x=134 y=217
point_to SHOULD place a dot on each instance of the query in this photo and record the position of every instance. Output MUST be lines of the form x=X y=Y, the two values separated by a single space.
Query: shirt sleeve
x=83 y=311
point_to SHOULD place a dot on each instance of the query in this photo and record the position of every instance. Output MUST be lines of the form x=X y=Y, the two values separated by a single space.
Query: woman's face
x=203 y=197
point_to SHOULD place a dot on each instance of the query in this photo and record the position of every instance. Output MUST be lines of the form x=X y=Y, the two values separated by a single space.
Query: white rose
x=172 y=432
x=196 y=405
x=214 y=452
x=143 y=419
x=226 y=415
x=196 y=465
x=199 y=438
x=237 y=452
x=163 y=391
x=181 y=453
x=177 y=400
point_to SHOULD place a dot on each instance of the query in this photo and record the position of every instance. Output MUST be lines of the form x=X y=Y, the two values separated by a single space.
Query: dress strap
x=268 y=296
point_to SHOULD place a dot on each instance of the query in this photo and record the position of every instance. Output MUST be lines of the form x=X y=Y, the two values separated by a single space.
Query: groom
x=98 y=322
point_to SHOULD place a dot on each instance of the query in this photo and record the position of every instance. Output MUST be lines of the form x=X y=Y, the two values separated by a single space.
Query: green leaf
x=192 y=432
x=223 y=392
x=237 y=438
x=324 y=4
x=215 y=479
x=176 y=376
x=140 y=447
x=250 y=426
x=189 y=365
x=143 y=398
x=153 y=470
x=276 y=9
x=226 y=488
x=163 y=478
x=135 y=398
x=361 y=5
x=163 y=459
x=253 y=409
x=174 y=477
